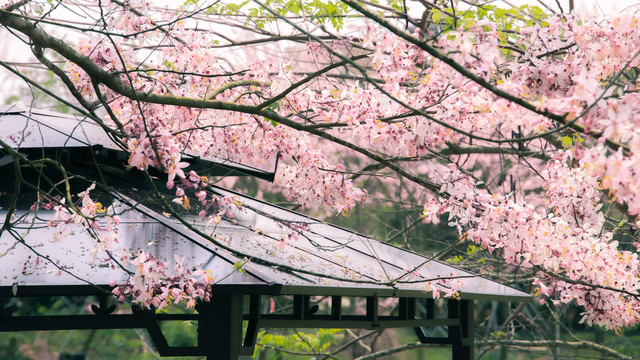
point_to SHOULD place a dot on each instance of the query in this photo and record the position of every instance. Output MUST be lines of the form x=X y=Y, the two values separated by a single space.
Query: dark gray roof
x=33 y=128
x=352 y=264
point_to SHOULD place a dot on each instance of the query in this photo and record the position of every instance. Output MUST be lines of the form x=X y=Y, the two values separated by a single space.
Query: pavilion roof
x=251 y=251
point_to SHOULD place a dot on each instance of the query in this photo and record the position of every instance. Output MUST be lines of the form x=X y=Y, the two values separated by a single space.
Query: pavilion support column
x=220 y=327
x=461 y=336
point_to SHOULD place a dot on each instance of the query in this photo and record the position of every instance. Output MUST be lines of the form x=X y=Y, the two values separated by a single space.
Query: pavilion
x=248 y=259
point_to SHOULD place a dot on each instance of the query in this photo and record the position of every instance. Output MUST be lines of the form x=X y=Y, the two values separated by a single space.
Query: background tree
x=515 y=127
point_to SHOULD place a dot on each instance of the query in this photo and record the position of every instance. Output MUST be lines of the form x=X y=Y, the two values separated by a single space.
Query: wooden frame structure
x=222 y=320
x=369 y=268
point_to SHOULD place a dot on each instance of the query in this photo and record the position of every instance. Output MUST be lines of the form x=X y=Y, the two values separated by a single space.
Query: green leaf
x=272 y=122
x=567 y=142
x=237 y=266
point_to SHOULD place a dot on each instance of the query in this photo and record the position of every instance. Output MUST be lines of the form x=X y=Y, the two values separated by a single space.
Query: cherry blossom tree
x=517 y=128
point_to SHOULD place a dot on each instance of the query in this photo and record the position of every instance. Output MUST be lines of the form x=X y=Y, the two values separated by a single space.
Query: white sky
x=584 y=6
x=12 y=50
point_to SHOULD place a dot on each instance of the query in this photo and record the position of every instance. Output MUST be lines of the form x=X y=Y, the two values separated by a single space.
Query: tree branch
x=558 y=343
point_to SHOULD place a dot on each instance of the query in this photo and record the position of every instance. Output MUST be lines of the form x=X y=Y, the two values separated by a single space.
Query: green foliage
x=272 y=122
x=12 y=99
x=473 y=254
x=237 y=266
x=275 y=107
x=316 y=10
x=507 y=21
x=396 y=4
x=322 y=12
x=97 y=345
x=180 y=333
x=46 y=79
x=569 y=141
x=300 y=342
x=105 y=344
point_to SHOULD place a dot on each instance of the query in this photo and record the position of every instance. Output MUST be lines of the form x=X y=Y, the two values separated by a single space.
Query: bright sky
x=582 y=6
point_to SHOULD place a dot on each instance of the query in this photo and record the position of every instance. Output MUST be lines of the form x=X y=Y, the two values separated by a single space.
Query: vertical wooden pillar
x=429 y=306
x=461 y=336
x=220 y=327
x=467 y=324
x=372 y=311
x=255 y=312
x=336 y=308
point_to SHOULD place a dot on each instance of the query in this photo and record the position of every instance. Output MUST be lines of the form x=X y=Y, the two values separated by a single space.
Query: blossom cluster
x=158 y=135
x=152 y=284
x=85 y=214
x=572 y=67
x=577 y=109
x=437 y=106
x=567 y=240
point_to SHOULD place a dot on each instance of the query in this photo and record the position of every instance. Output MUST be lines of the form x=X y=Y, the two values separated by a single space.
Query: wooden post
x=220 y=327
x=461 y=336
